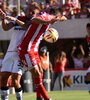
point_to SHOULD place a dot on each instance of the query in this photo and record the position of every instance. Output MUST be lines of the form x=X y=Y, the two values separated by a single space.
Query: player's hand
x=2 y=14
x=35 y=72
x=63 y=18
x=11 y=18
x=53 y=21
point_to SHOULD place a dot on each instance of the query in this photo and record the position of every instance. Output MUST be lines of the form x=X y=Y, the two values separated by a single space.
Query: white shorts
x=88 y=70
x=12 y=63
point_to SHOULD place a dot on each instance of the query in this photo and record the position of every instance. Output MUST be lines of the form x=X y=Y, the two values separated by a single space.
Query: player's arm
x=20 y=23
x=39 y=20
x=63 y=18
x=6 y=26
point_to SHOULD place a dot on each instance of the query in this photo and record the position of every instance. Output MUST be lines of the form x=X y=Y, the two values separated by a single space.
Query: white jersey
x=17 y=36
x=88 y=70
x=12 y=62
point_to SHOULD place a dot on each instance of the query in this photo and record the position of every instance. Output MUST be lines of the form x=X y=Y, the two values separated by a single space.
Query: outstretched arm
x=6 y=26
x=63 y=18
x=53 y=20
x=20 y=23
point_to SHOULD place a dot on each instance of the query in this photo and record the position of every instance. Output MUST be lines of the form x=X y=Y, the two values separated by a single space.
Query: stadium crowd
x=72 y=9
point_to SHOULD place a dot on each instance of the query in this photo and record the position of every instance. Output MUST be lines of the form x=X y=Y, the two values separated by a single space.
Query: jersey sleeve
x=13 y=22
x=45 y=16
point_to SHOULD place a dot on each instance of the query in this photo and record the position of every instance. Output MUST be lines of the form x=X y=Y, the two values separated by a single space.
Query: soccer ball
x=51 y=35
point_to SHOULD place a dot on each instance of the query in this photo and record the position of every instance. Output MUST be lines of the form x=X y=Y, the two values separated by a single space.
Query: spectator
x=88 y=6
x=77 y=55
x=76 y=3
x=84 y=2
x=68 y=8
x=14 y=12
x=50 y=4
x=44 y=62
x=5 y=8
x=59 y=68
x=42 y=6
x=84 y=12
x=76 y=11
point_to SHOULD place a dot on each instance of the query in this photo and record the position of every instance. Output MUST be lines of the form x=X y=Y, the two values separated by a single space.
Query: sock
x=89 y=87
x=4 y=93
x=39 y=95
x=40 y=88
x=18 y=92
x=40 y=99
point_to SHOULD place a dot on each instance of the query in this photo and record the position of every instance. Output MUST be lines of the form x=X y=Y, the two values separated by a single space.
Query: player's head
x=56 y=11
x=32 y=10
x=88 y=28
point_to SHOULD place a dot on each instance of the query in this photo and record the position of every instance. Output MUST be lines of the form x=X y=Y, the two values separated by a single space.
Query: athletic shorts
x=12 y=63
x=30 y=59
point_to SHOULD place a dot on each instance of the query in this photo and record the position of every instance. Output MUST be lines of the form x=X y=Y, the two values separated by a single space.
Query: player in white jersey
x=12 y=64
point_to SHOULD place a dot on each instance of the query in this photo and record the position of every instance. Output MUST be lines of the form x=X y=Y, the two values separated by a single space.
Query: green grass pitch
x=58 y=95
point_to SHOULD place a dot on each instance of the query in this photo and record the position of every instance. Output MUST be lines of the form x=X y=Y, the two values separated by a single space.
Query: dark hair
x=55 y=11
x=60 y=54
x=88 y=25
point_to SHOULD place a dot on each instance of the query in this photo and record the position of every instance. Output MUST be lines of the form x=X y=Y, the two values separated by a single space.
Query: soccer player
x=12 y=64
x=28 y=48
x=87 y=76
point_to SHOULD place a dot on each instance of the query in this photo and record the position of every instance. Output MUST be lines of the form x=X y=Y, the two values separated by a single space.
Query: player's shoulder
x=45 y=16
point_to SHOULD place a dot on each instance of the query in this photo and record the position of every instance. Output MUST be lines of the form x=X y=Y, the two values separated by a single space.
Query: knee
x=4 y=79
x=16 y=83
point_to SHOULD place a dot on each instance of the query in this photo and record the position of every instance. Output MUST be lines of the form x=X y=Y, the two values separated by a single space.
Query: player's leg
x=6 y=72
x=16 y=77
x=37 y=73
x=40 y=89
x=4 y=85
x=16 y=83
